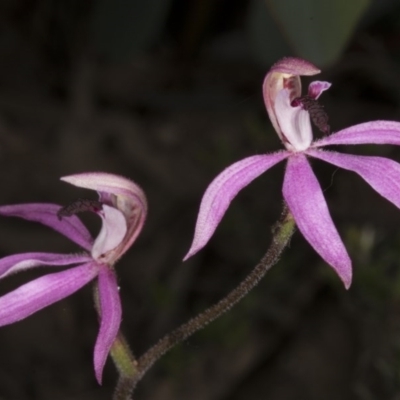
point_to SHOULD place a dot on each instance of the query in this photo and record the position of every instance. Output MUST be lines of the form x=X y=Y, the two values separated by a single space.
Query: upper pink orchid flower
x=122 y=207
x=290 y=115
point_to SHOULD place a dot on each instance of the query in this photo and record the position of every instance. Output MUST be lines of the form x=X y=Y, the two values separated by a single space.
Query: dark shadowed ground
x=171 y=117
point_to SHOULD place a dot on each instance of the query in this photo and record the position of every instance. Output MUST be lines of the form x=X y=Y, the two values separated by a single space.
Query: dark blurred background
x=168 y=93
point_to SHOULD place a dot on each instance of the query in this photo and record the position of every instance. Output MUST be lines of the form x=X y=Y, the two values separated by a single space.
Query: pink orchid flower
x=122 y=208
x=290 y=115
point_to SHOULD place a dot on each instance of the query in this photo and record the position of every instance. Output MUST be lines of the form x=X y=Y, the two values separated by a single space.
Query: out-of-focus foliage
x=317 y=30
x=123 y=28
x=265 y=39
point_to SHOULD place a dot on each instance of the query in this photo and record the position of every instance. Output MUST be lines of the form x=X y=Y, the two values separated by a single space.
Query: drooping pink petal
x=285 y=74
x=294 y=122
x=21 y=262
x=111 y=313
x=113 y=231
x=223 y=189
x=42 y=292
x=46 y=214
x=374 y=132
x=120 y=193
x=381 y=173
x=316 y=88
x=306 y=202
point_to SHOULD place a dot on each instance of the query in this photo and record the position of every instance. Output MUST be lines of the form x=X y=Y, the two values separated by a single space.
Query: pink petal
x=112 y=232
x=306 y=202
x=21 y=262
x=111 y=312
x=118 y=192
x=46 y=214
x=375 y=132
x=223 y=189
x=42 y=292
x=381 y=173
x=316 y=88
x=285 y=74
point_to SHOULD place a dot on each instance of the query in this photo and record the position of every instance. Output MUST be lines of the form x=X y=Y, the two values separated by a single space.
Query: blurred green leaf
x=122 y=28
x=266 y=41
x=318 y=30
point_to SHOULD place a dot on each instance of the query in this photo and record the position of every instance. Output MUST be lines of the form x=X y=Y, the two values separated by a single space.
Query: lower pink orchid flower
x=122 y=207
x=291 y=117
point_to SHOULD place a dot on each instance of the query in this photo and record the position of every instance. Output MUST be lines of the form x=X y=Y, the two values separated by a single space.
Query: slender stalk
x=123 y=358
x=282 y=232
x=126 y=365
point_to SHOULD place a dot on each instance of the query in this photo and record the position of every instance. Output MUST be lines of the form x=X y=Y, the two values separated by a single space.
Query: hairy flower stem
x=282 y=232
x=127 y=368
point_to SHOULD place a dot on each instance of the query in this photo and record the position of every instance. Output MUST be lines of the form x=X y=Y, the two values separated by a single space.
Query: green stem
x=123 y=357
x=282 y=232
x=126 y=365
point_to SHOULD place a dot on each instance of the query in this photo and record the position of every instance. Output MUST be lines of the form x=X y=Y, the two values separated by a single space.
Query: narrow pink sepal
x=21 y=262
x=42 y=292
x=223 y=189
x=111 y=313
x=381 y=173
x=306 y=202
x=374 y=132
x=46 y=214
